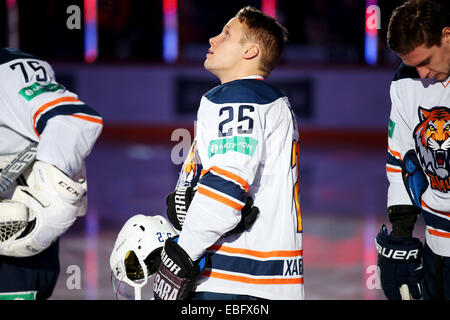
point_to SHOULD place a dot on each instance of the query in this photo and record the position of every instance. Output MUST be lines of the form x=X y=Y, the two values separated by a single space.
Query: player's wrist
x=403 y=219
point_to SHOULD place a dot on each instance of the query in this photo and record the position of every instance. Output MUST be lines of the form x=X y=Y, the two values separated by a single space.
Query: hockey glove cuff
x=178 y=203
x=176 y=274
x=400 y=262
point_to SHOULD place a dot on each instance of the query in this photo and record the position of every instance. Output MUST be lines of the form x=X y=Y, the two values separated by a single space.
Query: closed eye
x=424 y=62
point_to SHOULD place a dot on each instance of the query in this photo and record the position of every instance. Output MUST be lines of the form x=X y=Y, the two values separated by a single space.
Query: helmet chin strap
x=137 y=293
x=138 y=288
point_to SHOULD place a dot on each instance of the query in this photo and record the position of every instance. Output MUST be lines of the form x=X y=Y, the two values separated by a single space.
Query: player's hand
x=179 y=201
x=249 y=213
x=177 y=272
x=400 y=262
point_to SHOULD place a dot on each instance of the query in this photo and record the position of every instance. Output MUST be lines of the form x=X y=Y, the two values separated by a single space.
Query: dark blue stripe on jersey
x=406 y=72
x=8 y=54
x=393 y=160
x=244 y=91
x=436 y=222
x=66 y=109
x=246 y=265
x=225 y=186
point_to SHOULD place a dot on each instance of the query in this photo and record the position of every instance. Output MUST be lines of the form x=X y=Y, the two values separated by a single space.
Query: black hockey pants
x=31 y=277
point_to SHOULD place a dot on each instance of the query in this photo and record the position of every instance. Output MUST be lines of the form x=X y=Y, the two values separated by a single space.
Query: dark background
x=132 y=30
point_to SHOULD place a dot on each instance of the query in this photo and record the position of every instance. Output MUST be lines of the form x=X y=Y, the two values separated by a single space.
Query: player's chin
x=442 y=76
x=208 y=65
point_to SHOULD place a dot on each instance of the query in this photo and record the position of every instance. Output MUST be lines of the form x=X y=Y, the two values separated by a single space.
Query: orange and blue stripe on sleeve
x=63 y=106
x=223 y=186
x=394 y=161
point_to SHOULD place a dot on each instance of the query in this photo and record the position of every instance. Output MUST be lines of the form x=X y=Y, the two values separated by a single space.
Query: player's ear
x=251 y=50
x=446 y=36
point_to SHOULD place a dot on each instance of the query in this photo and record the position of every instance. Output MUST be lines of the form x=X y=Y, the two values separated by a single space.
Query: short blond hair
x=267 y=32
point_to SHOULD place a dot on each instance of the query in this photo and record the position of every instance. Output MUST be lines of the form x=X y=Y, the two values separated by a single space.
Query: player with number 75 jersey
x=247 y=141
x=48 y=191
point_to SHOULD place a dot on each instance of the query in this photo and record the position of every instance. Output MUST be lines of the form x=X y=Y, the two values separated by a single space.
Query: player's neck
x=224 y=78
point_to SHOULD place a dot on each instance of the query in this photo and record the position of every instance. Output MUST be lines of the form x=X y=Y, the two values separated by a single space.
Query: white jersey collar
x=258 y=77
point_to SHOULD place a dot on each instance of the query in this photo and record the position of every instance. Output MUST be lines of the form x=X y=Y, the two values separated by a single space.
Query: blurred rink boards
x=342 y=117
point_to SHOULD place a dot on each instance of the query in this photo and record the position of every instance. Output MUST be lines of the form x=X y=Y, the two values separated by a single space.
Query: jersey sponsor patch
x=244 y=145
x=22 y=295
x=36 y=89
x=391 y=128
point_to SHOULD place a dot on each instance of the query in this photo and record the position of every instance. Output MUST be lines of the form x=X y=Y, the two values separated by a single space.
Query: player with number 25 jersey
x=247 y=140
x=241 y=237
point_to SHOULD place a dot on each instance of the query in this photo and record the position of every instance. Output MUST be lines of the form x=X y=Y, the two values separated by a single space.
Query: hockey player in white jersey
x=248 y=144
x=49 y=195
x=418 y=163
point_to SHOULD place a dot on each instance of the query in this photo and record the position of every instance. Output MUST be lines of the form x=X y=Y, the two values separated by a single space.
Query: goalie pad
x=53 y=201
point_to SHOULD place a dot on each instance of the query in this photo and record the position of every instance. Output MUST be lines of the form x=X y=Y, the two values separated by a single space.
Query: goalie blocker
x=49 y=204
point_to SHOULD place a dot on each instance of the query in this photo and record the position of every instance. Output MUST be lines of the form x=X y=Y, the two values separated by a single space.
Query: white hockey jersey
x=34 y=107
x=248 y=143
x=420 y=120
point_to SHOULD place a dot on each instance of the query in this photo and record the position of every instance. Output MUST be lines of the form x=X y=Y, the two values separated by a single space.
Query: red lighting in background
x=269 y=7
x=170 y=6
x=90 y=31
x=170 y=36
x=372 y=20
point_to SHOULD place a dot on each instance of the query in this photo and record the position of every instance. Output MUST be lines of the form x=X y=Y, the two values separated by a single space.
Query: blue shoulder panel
x=404 y=72
x=244 y=91
x=8 y=54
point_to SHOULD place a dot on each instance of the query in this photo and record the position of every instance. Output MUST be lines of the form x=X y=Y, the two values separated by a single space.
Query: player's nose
x=213 y=41
x=424 y=72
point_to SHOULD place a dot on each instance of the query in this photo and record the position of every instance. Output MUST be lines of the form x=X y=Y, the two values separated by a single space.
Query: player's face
x=431 y=62
x=225 y=52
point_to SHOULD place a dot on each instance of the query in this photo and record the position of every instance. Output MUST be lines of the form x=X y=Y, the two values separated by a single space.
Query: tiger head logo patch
x=432 y=139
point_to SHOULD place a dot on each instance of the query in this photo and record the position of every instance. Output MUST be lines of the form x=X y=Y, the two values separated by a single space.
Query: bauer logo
x=397 y=254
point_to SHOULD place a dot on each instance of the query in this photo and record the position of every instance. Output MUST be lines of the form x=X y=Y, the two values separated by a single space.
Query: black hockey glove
x=249 y=213
x=400 y=262
x=177 y=205
x=179 y=201
x=177 y=272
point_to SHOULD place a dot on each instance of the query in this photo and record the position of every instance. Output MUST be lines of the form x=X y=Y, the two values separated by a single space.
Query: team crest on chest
x=432 y=139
